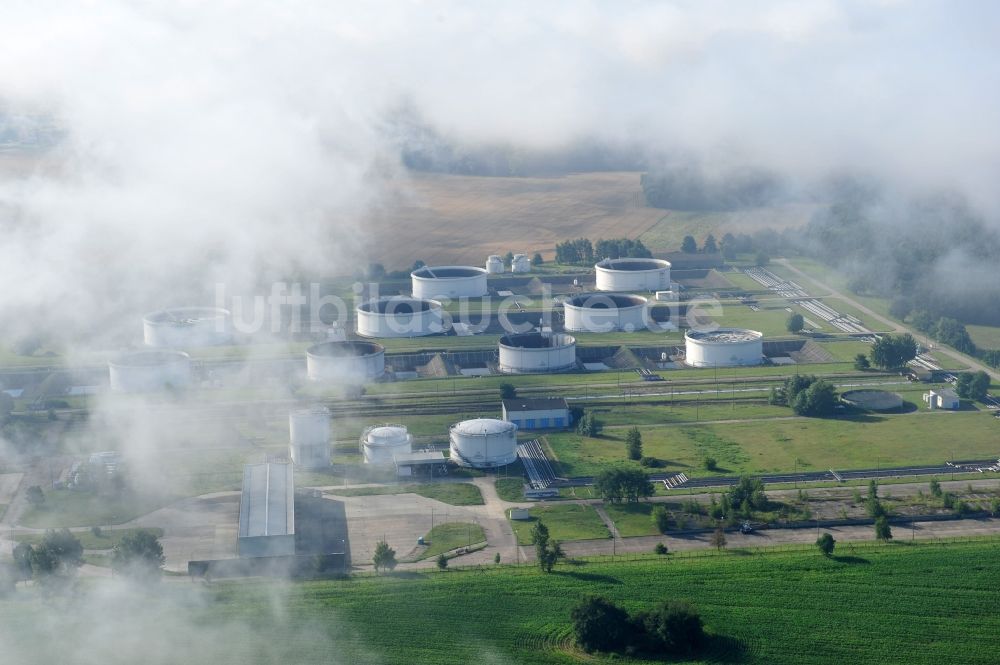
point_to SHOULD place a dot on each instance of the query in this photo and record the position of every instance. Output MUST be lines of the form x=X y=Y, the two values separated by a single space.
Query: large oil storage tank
x=494 y=265
x=606 y=312
x=436 y=282
x=380 y=443
x=483 y=443
x=536 y=352
x=347 y=362
x=633 y=275
x=723 y=347
x=150 y=371
x=309 y=437
x=399 y=316
x=186 y=327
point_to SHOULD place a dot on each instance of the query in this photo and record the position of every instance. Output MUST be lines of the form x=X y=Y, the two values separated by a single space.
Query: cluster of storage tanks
x=481 y=443
x=519 y=264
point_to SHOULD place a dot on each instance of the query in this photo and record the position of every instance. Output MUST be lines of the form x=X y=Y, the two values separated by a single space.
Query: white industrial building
x=399 y=316
x=723 y=347
x=150 y=371
x=381 y=444
x=437 y=282
x=942 y=398
x=267 y=511
x=522 y=353
x=494 y=264
x=520 y=263
x=345 y=362
x=309 y=437
x=606 y=312
x=483 y=443
x=187 y=327
x=633 y=275
x=537 y=413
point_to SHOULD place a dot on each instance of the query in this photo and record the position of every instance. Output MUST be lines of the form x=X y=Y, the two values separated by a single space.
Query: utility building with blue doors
x=538 y=413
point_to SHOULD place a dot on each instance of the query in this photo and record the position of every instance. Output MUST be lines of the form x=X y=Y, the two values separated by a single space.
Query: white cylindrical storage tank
x=494 y=265
x=185 y=327
x=633 y=275
x=606 y=312
x=399 y=316
x=483 y=443
x=437 y=282
x=536 y=352
x=150 y=371
x=723 y=347
x=520 y=263
x=380 y=443
x=345 y=362
x=309 y=437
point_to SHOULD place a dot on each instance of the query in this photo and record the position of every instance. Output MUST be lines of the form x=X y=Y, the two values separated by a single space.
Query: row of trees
x=672 y=627
x=583 y=251
x=806 y=395
x=973 y=385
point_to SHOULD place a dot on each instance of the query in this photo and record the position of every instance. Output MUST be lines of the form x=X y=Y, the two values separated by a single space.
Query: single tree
x=660 y=549
x=872 y=489
x=508 y=259
x=710 y=246
x=861 y=362
x=633 y=441
x=138 y=555
x=826 y=543
x=661 y=518
x=442 y=562
x=600 y=625
x=882 y=530
x=508 y=391
x=718 y=539
x=673 y=627
x=711 y=464
x=795 y=323
x=688 y=245
x=496 y=558
x=546 y=551
x=34 y=495
x=384 y=557
x=935 y=488
x=537 y=259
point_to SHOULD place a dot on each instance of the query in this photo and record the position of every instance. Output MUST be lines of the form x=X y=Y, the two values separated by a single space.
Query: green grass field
x=923 y=604
x=765 y=446
x=456 y=494
x=73 y=508
x=510 y=489
x=564 y=521
x=985 y=337
x=632 y=519
x=446 y=537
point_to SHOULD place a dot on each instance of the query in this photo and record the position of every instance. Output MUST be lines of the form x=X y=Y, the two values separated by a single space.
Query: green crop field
x=923 y=604
x=564 y=521
x=764 y=446
x=456 y=494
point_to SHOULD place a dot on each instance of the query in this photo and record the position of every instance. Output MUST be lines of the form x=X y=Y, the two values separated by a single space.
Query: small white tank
x=521 y=264
x=380 y=443
x=309 y=437
x=494 y=265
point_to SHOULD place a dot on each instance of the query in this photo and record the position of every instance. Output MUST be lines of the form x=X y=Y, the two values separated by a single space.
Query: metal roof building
x=267 y=511
x=537 y=413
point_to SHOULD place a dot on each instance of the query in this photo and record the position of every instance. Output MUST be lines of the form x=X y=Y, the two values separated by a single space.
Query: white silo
x=520 y=263
x=494 y=265
x=437 y=282
x=309 y=437
x=400 y=316
x=150 y=371
x=723 y=347
x=483 y=443
x=633 y=275
x=345 y=362
x=380 y=443
x=536 y=352
x=187 y=327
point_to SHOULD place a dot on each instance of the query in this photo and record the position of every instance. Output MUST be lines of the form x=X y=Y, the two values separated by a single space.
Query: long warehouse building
x=267 y=511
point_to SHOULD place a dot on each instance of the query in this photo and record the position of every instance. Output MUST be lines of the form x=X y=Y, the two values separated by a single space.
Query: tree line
x=583 y=251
